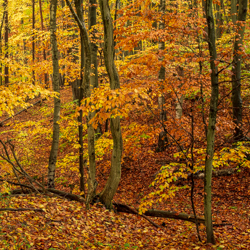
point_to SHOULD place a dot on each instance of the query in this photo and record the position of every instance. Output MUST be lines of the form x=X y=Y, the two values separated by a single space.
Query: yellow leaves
x=5 y=187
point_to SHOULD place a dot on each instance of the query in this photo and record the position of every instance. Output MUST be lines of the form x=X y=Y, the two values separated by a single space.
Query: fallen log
x=22 y=209
x=66 y=195
x=159 y=213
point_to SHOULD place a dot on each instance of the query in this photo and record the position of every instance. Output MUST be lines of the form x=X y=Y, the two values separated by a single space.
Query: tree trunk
x=111 y=186
x=44 y=52
x=1 y=27
x=211 y=123
x=85 y=91
x=6 y=39
x=219 y=21
x=162 y=141
x=236 y=77
x=56 y=88
x=234 y=11
x=33 y=40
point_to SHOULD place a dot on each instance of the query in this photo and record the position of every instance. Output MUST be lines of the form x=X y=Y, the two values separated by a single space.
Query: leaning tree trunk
x=236 y=77
x=56 y=88
x=111 y=186
x=211 y=123
x=86 y=92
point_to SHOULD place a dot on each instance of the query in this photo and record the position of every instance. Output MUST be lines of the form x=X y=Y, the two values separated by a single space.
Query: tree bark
x=56 y=88
x=111 y=186
x=85 y=91
x=6 y=39
x=44 y=52
x=1 y=27
x=159 y=213
x=162 y=141
x=33 y=40
x=234 y=11
x=211 y=123
x=236 y=77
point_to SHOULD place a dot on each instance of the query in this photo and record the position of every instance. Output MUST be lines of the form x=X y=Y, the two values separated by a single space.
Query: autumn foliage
x=151 y=178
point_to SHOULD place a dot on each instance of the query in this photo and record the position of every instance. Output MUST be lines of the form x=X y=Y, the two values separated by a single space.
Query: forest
x=124 y=124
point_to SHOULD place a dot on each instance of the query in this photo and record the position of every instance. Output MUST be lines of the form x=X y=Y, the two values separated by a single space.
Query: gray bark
x=85 y=91
x=211 y=123
x=162 y=141
x=1 y=27
x=219 y=21
x=92 y=22
x=56 y=88
x=6 y=39
x=111 y=186
x=234 y=11
x=236 y=69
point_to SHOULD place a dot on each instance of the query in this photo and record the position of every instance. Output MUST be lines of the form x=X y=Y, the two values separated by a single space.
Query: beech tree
x=236 y=69
x=110 y=188
x=57 y=102
x=211 y=123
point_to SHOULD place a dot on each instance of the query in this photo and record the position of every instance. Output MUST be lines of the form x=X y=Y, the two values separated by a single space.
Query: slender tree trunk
x=44 y=52
x=234 y=11
x=1 y=51
x=6 y=39
x=82 y=95
x=161 y=100
x=56 y=88
x=92 y=183
x=111 y=186
x=85 y=91
x=219 y=21
x=94 y=65
x=211 y=123
x=236 y=77
x=33 y=40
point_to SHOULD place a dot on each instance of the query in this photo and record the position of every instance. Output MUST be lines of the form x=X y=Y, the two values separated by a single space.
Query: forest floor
x=65 y=224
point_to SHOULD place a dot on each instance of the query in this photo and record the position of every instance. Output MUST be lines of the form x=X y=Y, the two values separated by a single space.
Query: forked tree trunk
x=236 y=77
x=56 y=88
x=111 y=186
x=85 y=91
x=211 y=123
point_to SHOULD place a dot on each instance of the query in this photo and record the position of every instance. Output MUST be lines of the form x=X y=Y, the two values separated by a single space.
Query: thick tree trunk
x=111 y=186
x=56 y=88
x=236 y=77
x=211 y=123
